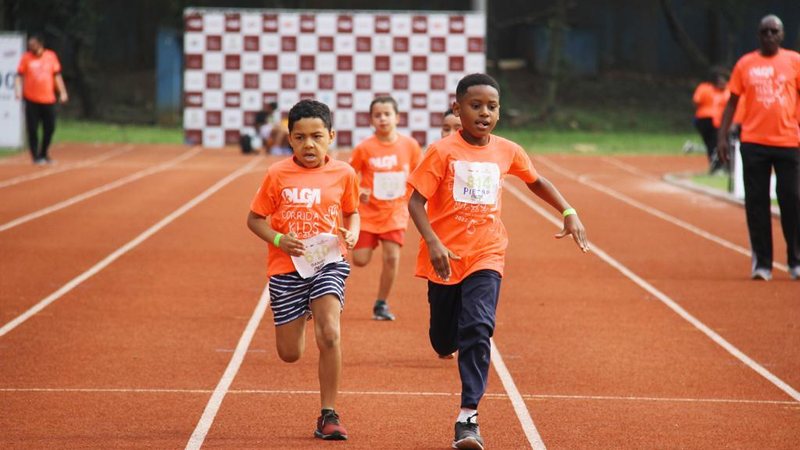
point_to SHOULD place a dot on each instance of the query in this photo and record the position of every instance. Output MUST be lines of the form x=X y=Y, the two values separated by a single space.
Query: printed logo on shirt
x=302 y=196
x=383 y=162
x=769 y=88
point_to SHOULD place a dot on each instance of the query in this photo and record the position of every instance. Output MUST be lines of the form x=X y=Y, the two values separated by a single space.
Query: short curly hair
x=309 y=109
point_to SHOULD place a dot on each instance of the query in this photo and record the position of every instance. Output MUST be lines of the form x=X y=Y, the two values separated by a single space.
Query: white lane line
x=666 y=300
x=492 y=396
x=72 y=284
x=523 y=415
x=585 y=180
x=99 y=190
x=65 y=167
x=214 y=403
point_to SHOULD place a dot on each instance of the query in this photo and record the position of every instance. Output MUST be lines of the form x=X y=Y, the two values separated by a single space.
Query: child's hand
x=573 y=226
x=349 y=238
x=291 y=245
x=440 y=258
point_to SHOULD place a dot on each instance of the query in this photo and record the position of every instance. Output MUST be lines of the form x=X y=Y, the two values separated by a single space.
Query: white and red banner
x=12 y=46
x=237 y=61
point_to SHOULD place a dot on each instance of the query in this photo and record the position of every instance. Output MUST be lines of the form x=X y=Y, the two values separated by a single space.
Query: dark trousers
x=709 y=134
x=463 y=318
x=44 y=114
x=758 y=162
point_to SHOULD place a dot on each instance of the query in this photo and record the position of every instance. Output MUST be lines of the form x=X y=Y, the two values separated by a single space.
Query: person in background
x=768 y=81
x=38 y=83
x=450 y=123
x=709 y=99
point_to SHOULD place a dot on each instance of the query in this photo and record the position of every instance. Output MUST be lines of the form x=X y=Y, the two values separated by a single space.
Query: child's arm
x=439 y=254
x=260 y=227
x=545 y=190
x=351 y=229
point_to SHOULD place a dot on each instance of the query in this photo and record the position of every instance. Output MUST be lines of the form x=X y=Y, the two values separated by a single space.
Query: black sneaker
x=381 y=311
x=468 y=435
x=329 y=427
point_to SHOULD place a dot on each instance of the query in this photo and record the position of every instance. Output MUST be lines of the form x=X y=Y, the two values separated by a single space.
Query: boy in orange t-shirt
x=309 y=198
x=384 y=161
x=463 y=243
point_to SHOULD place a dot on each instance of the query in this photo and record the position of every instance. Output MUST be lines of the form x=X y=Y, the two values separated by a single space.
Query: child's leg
x=290 y=339
x=479 y=294
x=327 y=311
x=362 y=256
x=391 y=263
x=445 y=307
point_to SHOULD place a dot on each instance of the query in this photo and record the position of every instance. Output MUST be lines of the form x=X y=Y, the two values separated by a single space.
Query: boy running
x=307 y=198
x=463 y=243
x=384 y=161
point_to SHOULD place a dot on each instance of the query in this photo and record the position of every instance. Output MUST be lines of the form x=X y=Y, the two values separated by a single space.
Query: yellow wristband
x=569 y=212
x=277 y=240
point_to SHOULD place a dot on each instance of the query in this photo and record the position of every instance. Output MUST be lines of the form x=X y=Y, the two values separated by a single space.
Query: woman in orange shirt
x=38 y=82
x=709 y=99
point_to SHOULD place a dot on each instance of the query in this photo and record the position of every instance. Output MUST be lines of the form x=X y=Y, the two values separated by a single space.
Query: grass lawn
x=79 y=131
x=597 y=142
x=719 y=182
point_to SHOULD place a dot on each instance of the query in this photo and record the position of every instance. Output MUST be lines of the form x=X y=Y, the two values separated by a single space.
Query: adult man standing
x=769 y=79
x=38 y=82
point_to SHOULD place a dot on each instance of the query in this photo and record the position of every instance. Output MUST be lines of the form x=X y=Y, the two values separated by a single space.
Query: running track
x=132 y=317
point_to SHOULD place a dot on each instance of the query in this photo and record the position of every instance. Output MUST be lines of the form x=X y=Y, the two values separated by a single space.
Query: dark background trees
x=108 y=47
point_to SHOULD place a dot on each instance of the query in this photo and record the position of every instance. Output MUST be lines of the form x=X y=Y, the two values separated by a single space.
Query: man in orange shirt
x=462 y=249
x=384 y=161
x=309 y=198
x=38 y=82
x=769 y=79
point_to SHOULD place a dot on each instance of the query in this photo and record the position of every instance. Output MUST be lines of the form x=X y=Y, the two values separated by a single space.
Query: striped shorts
x=291 y=295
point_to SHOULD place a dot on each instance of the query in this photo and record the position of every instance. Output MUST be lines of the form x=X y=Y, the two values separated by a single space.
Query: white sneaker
x=762 y=274
x=794 y=272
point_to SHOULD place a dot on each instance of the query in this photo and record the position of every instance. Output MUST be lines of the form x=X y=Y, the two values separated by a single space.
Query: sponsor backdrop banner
x=12 y=46
x=237 y=61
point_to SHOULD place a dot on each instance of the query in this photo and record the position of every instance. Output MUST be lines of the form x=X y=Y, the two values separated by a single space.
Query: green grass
x=79 y=131
x=619 y=142
x=719 y=182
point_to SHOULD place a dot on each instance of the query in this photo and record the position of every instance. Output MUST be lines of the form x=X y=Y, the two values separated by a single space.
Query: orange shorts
x=370 y=240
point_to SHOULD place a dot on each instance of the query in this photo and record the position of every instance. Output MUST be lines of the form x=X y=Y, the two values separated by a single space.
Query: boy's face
x=450 y=124
x=479 y=110
x=310 y=139
x=383 y=118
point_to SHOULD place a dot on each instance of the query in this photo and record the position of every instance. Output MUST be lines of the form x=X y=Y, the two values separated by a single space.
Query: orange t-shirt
x=38 y=76
x=384 y=168
x=770 y=93
x=464 y=185
x=721 y=98
x=703 y=99
x=738 y=115
x=305 y=202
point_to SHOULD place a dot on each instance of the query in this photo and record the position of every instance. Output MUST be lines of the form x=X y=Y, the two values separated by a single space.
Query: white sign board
x=12 y=46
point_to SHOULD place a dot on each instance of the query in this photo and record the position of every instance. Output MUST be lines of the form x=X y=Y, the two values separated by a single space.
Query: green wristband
x=277 y=240
x=569 y=212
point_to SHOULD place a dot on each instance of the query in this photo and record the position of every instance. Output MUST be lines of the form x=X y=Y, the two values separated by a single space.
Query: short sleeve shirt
x=38 y=76
x=305 y=202
x=463 y=184
x=703 y=99
x=769 y=86
x=384 y=169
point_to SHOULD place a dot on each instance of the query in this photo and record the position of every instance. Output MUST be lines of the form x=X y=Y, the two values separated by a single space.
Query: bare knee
x=289 y=355
x=391 y=260
x=361 y=257
x=328 y=337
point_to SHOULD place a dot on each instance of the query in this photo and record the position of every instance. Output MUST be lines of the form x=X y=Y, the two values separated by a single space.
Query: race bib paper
x=389 y=185
x=321 y=249
x=477 y=183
